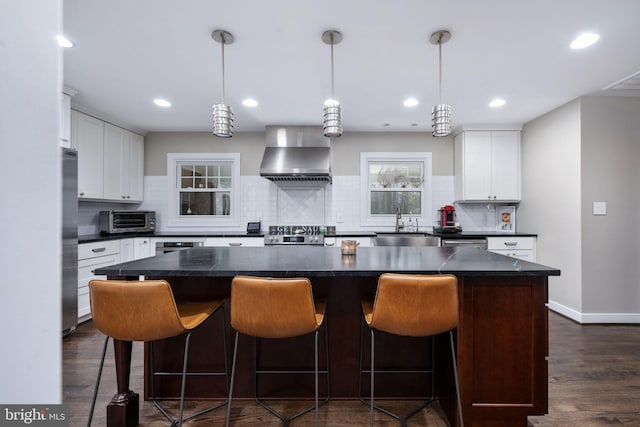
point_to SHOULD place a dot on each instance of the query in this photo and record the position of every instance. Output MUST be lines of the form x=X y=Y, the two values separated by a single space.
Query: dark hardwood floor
x=594 y=380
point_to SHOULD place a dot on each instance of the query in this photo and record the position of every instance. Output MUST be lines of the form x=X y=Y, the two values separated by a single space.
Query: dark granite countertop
x=286 y=261
x=102 y=237
x=479 y=234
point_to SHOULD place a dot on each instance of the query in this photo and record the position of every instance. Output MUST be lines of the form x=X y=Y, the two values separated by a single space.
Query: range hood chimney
x=296 y=153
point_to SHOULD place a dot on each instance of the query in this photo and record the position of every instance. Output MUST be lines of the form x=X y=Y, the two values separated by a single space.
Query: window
x=204 y=189
x=395 y=182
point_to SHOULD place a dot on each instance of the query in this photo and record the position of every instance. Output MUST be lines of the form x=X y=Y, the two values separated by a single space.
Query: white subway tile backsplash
x=299 y=203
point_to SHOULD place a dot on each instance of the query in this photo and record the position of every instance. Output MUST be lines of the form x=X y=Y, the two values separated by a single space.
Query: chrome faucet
x=398 y=224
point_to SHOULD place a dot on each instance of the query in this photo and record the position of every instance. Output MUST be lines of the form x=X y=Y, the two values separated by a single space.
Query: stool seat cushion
x=143 y=311
x=266 y=307
x=413 y=305
x=194 y=313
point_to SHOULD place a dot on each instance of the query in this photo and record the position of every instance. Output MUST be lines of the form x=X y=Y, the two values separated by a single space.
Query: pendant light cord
x=332 y=95
x=440 y=65
x=222 y=43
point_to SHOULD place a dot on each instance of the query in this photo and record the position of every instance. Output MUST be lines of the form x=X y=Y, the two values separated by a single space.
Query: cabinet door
x=123 y=164
x=127 y=250
x=133 y=164
x=115 y=139
x=141 y=247
x=87 y=136
x=505 y=170
x=475 y=151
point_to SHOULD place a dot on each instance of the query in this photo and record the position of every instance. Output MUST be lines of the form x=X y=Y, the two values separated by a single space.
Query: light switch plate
x=599 y=208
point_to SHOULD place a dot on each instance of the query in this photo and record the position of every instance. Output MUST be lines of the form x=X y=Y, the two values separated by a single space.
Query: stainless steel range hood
x=296 y=153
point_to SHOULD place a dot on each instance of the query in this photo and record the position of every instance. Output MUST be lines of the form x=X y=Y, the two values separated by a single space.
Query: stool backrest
x=267 y=307
x=134 y=311
x=415 y=305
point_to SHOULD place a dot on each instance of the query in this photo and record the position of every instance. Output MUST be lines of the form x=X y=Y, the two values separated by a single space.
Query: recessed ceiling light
x=410 y=102
x=250 y=102
x=63 y=41
x=497 y=103
x=584 y=40
x=162 y=102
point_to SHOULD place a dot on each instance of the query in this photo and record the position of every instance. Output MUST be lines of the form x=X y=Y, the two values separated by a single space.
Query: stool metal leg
x=455 y=374
x=371 y=403
x=316 y=372
x=233 y=376
x=373 y=370
x=95 y=392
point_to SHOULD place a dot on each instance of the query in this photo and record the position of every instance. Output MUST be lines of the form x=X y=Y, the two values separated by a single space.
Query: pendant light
x=222 y=113
x=332 y=111
x=440 y=113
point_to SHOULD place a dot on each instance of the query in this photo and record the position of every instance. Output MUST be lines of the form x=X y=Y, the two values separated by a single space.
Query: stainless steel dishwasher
x=166 y=247
x=480 y=242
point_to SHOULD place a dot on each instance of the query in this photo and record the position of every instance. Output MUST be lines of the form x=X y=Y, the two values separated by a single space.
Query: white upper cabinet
x=487 y=166
x=87 y=136
x=123 y=164
x=110 y=160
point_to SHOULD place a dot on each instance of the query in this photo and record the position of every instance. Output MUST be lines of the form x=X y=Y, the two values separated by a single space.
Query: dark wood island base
x=501 y=338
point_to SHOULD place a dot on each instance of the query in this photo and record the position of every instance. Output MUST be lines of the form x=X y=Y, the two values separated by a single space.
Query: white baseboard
x=633 y=318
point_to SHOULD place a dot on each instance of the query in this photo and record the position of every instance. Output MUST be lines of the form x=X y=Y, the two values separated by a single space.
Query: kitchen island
x=501 y=337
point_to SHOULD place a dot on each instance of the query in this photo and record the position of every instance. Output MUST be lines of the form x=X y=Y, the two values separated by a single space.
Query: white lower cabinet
x=523 y=248
x=234 y=241
x=142 y=248
x=90 y=257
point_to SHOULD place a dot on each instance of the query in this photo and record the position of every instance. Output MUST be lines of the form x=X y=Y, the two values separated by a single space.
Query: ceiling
x=127 y=53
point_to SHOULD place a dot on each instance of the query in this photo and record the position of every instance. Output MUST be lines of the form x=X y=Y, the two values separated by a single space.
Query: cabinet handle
x=98 y=250
x=330 y=244
x=81 y=194
x=511 y=243
x=235 y=244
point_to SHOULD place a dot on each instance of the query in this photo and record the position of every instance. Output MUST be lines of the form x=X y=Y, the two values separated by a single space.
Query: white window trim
x=366 y=219
x=174 y=219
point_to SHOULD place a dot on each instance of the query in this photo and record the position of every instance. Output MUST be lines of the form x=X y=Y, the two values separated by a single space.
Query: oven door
x=166 y=247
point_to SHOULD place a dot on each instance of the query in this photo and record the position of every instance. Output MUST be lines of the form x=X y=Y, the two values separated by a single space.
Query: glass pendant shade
x=222 y=120
x=441 y=120
x=332 y=119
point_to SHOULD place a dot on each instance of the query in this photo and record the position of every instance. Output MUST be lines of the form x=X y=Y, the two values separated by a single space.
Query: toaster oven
x=113 y=222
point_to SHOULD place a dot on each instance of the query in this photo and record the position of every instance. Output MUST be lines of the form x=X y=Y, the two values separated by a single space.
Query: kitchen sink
x=404 y=239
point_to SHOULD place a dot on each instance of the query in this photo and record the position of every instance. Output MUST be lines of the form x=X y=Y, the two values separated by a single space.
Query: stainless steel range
x=295 y=235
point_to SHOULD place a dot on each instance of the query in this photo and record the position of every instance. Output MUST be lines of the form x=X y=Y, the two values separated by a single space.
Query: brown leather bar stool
x=412 y=306
x=147 y=311
x=276 y=308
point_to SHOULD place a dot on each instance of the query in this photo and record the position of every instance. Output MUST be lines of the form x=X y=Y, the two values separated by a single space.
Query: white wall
x=30 y=219
x=551 y=203
x=582 y=152
x=611 y=173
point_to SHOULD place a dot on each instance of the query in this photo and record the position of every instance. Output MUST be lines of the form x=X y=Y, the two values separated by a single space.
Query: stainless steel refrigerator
x=69 y=240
